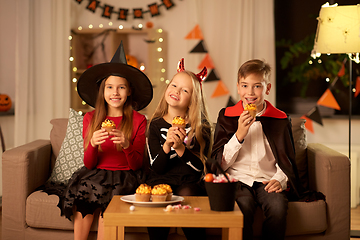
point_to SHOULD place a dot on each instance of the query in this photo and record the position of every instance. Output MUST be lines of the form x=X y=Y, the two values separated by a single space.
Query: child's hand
x=272 y=186
x=178 y=136
x=118 y=137
x=244 y=123
x=99 y=137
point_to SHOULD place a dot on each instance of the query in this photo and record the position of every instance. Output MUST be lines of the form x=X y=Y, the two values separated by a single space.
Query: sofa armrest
x=24 y=168
x=329 y=173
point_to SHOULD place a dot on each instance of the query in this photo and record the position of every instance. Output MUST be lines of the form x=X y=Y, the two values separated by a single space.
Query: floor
x=355 y=221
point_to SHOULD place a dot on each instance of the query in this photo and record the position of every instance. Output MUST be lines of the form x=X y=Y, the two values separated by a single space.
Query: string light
x=319 y=61
x=163 y=70
x=70 y=38
x=83 y=103
x=310 y=62
x=160 y=30
x=161 y=60
x=74 y=80
x=167 y=81
x=74 y=69
x=327 y=79
x=121 y=26
x=101 y=26
x=79 y=28
x=140 y=25
x=159 y=49
x=110 y=23
x=161 y=39
x=71 y=59
x=162 y=79
x=91 y=26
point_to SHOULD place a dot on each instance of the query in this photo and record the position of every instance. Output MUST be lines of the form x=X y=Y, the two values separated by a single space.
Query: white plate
x=131 y=199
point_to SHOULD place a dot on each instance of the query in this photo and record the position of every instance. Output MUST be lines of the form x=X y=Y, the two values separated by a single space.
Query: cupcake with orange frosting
x=178 y=122
x=158 y=194
x=108 y=125
x=251 y=108
x=143 y=193
x=168 y=190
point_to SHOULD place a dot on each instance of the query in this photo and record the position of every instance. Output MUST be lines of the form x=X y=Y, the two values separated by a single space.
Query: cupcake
x=178 y=122
x=143 y=193
x=158 y=194
x=168 y=190
x=108 y=125
x=251 y=108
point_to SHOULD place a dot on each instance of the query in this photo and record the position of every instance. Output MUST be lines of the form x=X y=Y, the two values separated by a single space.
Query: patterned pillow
x=71 y=153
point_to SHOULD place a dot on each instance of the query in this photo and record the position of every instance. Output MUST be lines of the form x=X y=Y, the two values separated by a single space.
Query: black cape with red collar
x=277 y=129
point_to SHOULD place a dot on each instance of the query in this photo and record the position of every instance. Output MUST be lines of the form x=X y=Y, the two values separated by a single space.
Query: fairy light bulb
x=160 y=30
x=163 y=70
x=167 y=81
x=110 y=23
x=70 y=37
x=310 y=62
x=121 y=26
x=161 y=39
x=159 y=49
x=74 y=80
x=161 y=60
x=91 y=26
x=74 y=69
x=80 y=28
x=140 y=25
x=71 y=59
x=101 y=25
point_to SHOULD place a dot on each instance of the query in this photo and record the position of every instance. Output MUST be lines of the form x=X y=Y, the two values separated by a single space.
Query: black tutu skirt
x=89 y=190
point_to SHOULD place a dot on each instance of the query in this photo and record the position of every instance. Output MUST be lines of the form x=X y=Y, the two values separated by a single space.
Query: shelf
x=11 y=112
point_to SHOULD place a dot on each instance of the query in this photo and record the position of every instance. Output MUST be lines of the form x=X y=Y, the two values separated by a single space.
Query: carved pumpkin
x=131 y=60
x=5 y=103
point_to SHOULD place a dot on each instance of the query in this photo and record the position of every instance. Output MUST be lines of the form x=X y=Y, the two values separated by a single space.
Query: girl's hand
x=99 y=137
x=244 y=123
x=272 y=186
x=178 y=136
x=173 y=138
x=118 y=137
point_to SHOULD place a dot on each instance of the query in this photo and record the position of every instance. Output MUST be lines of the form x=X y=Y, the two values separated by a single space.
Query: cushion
x=299 y=135
x=71 y=152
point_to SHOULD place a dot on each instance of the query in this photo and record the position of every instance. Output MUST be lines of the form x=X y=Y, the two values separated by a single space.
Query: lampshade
x=338 y=29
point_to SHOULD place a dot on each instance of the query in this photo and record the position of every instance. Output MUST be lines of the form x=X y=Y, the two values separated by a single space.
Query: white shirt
x=252 y=161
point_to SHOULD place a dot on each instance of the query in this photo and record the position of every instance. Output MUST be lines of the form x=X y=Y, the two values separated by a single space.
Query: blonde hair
x=255 y=66
x=197 y=115
x=101 y=111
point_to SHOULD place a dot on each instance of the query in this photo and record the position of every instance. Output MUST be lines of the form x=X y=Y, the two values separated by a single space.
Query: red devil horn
x=202 y=75
x=181 y=66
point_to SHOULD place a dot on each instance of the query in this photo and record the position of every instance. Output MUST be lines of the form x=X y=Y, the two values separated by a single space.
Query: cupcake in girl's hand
x=108 y=125
x=158 y=194
x=178 y=122
x=251 y=108
x=143 y=193
x=168 y=190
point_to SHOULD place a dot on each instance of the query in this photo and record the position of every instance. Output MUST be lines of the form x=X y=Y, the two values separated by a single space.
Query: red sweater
x=111 y=159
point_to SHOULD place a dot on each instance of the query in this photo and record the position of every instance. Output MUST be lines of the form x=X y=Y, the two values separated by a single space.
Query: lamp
x=338 y=31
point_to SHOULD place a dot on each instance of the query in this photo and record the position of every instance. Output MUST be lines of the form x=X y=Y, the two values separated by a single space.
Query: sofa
x=30 y=214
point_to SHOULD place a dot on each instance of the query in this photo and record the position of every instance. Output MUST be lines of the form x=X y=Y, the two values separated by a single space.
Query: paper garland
x=122 y=14
x=196 y=33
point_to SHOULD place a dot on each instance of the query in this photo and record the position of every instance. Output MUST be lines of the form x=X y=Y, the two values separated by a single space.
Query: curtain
x=42 y=74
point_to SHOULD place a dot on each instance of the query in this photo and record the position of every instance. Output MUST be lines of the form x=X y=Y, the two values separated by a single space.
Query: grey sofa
x=29 y=214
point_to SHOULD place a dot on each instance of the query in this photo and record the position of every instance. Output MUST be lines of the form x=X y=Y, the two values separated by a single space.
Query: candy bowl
x=221 y=192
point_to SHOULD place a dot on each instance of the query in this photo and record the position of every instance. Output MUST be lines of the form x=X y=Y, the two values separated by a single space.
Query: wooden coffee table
x=117 y=216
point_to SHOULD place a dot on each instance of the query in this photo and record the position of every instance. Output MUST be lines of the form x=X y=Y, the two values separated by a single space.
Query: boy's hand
x=99 y=137
x=272 y=186
x=244 y=123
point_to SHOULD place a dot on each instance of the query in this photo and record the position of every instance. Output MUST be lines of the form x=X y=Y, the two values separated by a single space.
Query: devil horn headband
x=200 y=76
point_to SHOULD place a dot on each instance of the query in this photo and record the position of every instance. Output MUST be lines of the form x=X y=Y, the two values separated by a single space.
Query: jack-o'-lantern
x=131 y=60
x=5 y=103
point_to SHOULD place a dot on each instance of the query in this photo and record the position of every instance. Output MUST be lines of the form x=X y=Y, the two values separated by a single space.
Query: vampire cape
x=277 y=129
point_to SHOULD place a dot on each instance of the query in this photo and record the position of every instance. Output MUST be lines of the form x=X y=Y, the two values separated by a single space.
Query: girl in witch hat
x=116 y=90
x=178 y=153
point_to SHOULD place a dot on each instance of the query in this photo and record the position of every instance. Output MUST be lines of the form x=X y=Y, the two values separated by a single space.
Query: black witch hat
x=90 y=80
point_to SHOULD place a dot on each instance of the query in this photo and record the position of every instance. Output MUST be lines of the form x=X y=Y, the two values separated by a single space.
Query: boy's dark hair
x=255 y=66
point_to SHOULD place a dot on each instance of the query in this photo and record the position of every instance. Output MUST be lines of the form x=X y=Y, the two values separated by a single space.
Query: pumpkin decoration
x=131 y=60
x=5 y=102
